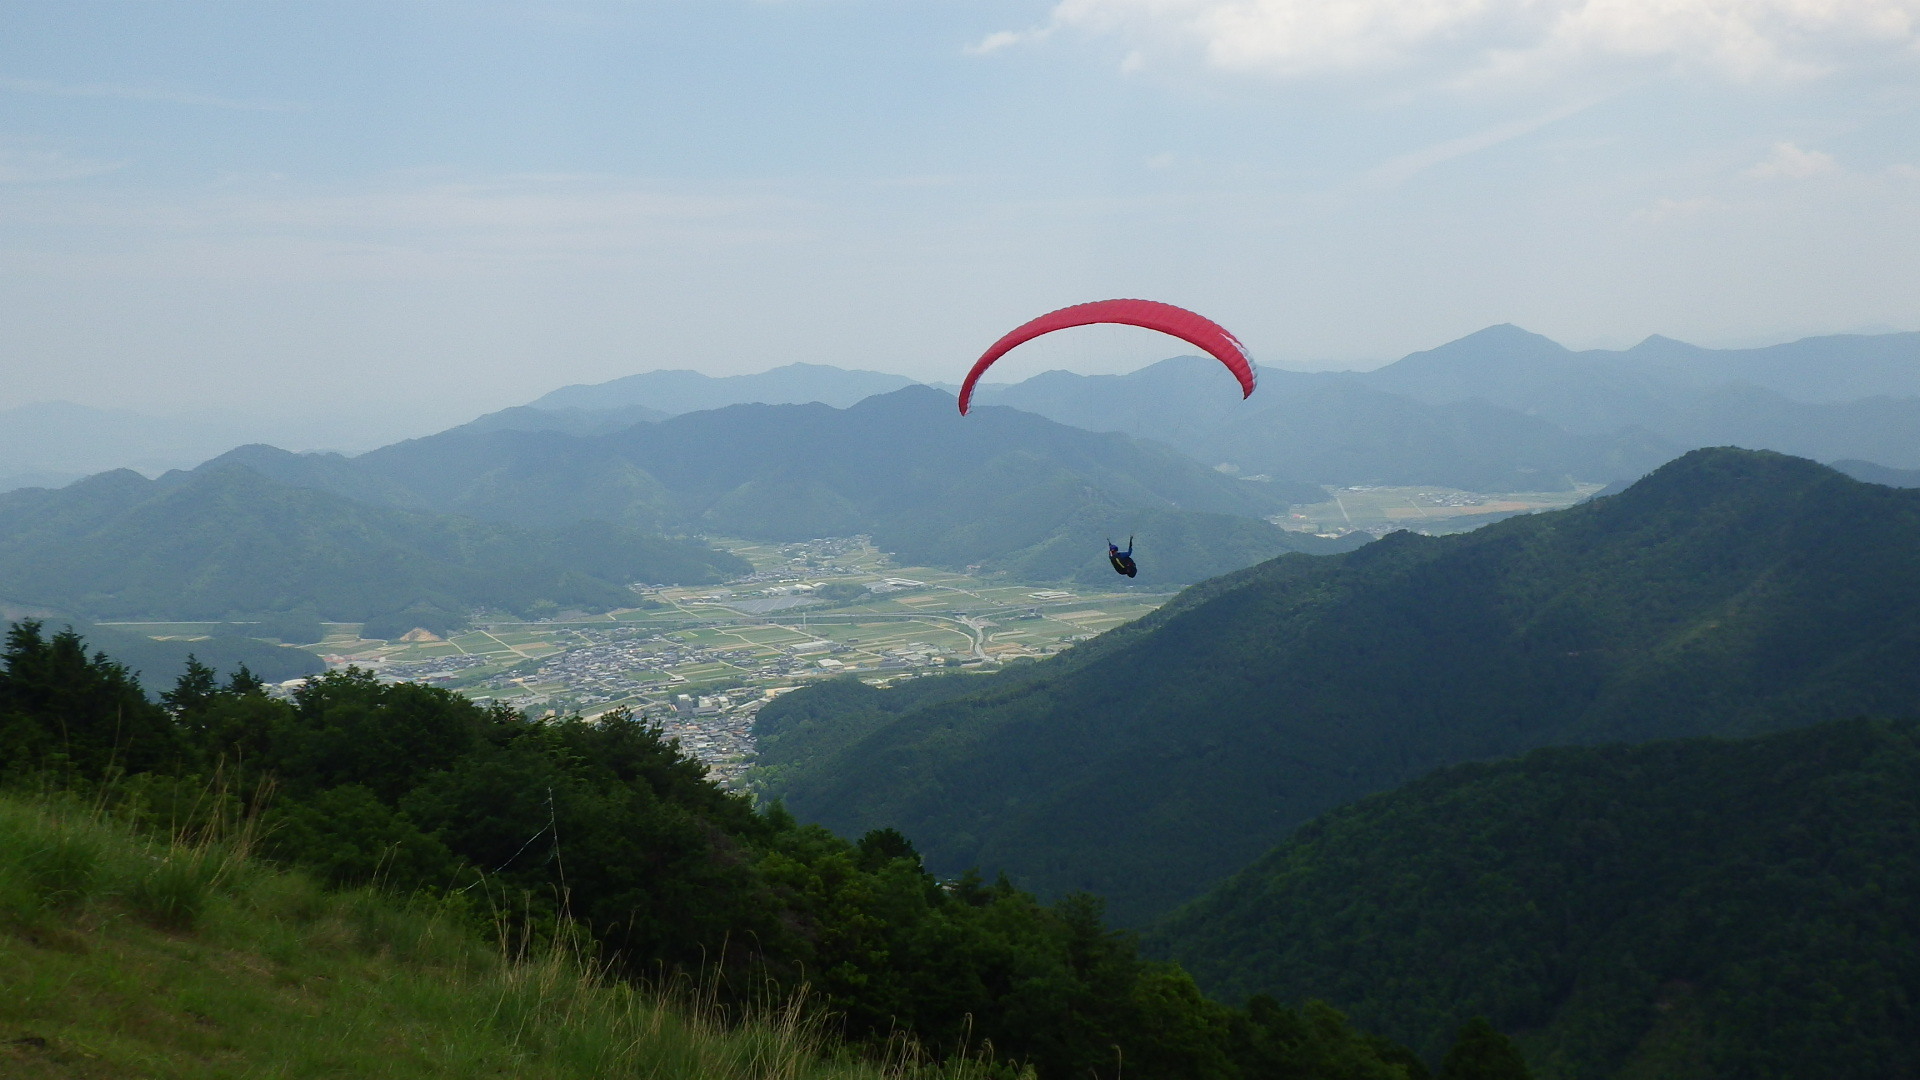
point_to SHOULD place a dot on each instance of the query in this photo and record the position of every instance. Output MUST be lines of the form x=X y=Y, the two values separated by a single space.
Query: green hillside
x=604 y=827
x=125 y=954
x=227 y=542
x=998 y=490
x=1730 y=592
x=1685 y=910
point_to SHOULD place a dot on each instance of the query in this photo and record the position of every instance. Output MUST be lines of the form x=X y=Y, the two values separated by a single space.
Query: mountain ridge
x=1000 y=489
x=1730 y=592
x=225 y=541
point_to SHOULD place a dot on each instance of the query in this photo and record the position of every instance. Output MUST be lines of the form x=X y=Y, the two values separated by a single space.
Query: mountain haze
x=1731 y=592
x=1508 y=365
x=1334 y=428
x=1834 y=397
x=682 y=391
x=1506 y=410
x=999 y=490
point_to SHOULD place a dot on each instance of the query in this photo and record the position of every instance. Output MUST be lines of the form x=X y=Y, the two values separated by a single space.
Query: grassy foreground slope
x=1731 y=592
x=124 y=956
x=1687 y=910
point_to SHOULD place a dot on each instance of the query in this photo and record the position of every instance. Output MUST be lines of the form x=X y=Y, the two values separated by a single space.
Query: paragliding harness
x=1122 y=560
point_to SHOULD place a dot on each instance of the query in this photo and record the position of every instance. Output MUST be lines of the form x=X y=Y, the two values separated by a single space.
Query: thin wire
x=552 y=826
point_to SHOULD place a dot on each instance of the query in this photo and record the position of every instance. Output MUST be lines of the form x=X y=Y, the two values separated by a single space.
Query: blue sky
x=427 y=210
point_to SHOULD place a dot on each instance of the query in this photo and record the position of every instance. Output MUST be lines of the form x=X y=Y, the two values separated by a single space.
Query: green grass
x=130 y=956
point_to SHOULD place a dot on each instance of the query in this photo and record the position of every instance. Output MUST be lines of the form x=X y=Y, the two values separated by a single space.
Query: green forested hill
x=998 y=490
x=1684 y=910
x=224 y=542
x=512 y=827
x=1730 y=592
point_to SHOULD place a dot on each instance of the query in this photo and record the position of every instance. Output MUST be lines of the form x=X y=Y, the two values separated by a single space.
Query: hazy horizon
x=302 y=208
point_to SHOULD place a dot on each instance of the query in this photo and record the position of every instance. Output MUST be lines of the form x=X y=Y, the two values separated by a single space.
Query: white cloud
x=1479 y=39
x=1789 y=162
x=998 y=40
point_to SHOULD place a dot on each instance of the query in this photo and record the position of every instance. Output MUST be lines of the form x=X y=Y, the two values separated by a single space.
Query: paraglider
x=1122 y=560
x=1196 y=330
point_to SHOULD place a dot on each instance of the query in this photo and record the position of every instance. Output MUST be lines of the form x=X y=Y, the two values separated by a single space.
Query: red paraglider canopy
x=1196 y=330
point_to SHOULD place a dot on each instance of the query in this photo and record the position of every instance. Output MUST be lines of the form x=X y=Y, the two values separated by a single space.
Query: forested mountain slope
x=998 y=489
x=225 y=542
x=1731 y=592
x=1687 y=910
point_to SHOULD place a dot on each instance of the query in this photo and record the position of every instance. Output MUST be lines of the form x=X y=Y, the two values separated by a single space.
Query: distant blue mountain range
x=689 y=391
x=1499 y=410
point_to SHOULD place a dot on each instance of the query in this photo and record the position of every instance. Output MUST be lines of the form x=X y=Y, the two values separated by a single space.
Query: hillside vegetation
x=998 y=490
x=226 y=542
x=130 y=954
x=1695 y=909
x=607 y=827
x=1731 y=592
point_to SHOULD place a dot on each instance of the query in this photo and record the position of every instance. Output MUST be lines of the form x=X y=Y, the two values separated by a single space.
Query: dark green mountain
x=1731 y=592
x=1685 y=910
x=226 y=542
x=998 y=490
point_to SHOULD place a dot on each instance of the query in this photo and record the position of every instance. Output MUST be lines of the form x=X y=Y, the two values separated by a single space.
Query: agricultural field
x=703 y=660
x=1433 y=510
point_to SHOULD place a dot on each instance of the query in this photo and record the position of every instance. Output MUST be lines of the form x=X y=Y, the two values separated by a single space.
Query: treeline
x=417 y=788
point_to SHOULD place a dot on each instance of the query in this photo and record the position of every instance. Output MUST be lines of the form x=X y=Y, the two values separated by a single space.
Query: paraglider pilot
x=1122 y=560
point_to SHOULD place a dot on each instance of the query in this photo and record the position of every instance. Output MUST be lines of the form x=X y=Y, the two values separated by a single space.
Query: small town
x=700 y=662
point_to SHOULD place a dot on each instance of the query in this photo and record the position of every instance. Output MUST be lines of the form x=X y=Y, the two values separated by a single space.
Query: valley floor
x=702 y=660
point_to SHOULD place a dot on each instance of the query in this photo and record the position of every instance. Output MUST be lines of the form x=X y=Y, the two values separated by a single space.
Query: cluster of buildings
x=609 y=666
x=715 y=730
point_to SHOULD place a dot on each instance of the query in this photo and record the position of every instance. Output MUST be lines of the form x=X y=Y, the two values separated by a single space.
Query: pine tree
x=192 y=690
